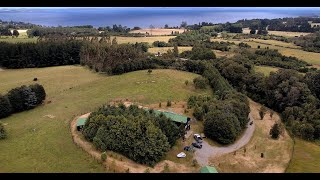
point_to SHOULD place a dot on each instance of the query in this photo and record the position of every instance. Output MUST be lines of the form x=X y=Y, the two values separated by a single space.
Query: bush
x=5 y=107
x=39 y=91
x=221 y=127
x=103 y=156
x=275 y=131
x=168 y=103
x=200 y=82
x=3 y=133
x=262 y=112
x=22 y=98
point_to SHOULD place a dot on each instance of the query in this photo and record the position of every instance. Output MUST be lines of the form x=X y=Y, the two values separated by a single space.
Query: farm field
x=39 y=140
x=295 y=51
x=157 y=31
x=149 y=40
x=266 y=70
x=279 y=33
x=17 y=40
x=306 y=158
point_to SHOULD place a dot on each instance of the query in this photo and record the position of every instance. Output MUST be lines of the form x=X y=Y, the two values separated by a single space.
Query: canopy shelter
x=80 y=123
x=208 y=169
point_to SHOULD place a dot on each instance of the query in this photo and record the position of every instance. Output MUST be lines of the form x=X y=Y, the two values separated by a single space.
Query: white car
x=181 y=155
x=198 y=138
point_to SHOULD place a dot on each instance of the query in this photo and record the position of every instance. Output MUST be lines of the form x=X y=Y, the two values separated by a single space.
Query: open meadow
x=39 y=140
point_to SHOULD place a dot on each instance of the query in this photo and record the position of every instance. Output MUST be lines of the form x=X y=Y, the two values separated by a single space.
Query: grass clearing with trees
x=266 y=70
x=39 y=140
x=149 y=40
x=277 y=153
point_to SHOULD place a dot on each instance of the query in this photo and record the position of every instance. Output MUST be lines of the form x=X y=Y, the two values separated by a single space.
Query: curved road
x=207 y=151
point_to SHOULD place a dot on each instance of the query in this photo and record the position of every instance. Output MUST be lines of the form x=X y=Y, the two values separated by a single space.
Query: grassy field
x=157 y=31
x=279 y=33
x=306 y=158
x=149 y=40
x=165 y=49
x=37 y=143
x=17 y=40
x=265 y=69
x=284 y=48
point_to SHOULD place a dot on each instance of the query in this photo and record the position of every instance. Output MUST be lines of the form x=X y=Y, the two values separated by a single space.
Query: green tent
x=81 y=121
x=208 y=169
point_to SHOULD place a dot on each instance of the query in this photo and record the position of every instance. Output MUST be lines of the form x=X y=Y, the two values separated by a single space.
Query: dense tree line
x=285 y=91
x=309 y=42
x=70 y=31
x=297 y=24
x=136 y=133
x=16 y=25
x=21 y=99
x=112 y=58
x=41 y=54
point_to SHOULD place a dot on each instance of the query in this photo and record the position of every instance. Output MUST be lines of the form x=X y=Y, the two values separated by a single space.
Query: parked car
x=197 y=145
x=198 y=138
x=188 y=148
x=181 y=155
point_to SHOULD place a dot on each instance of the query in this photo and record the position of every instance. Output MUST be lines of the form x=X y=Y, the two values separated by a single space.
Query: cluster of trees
x=224 y=117
x=285 y=91
x=69 y=31
x=190 y=38
x=309 y=42
x=16 y=25
x=161 y=44
x=21 y=99
x=271 y=57
x=199 y=52
x=228 y=27
x=244 y=45
x=41 y=54
x=117 y=29
x=5 y=31
x=297 y=24
x=111 y=57
x=139 y=134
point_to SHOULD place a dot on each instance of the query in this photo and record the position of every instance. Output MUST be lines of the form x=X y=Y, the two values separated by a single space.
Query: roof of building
x=175 y=117
x=81 y=121
x=208 y=169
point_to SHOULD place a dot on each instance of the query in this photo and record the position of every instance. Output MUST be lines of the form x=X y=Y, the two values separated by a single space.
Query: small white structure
x=181 y=155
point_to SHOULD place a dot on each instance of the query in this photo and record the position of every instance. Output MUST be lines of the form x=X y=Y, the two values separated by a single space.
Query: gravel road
x=202 y=155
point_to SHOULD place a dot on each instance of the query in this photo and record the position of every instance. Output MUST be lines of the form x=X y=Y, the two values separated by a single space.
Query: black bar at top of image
x=160 y=3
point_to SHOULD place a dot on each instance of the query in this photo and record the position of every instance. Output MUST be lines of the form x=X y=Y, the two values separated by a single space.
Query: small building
x=208 y=169
x=80 y=123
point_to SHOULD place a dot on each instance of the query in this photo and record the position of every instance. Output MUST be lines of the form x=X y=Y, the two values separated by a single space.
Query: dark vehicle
x=197 y=145
x=188 y=148
x=251 y=123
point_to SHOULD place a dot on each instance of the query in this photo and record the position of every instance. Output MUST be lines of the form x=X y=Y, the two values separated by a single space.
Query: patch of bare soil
x=276 y=153
x=117 y=162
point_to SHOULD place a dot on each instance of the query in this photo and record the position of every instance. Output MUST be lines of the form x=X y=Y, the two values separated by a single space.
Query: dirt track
x=207 y=151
